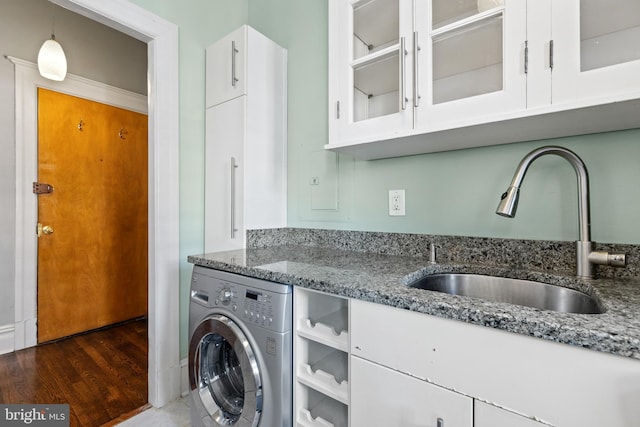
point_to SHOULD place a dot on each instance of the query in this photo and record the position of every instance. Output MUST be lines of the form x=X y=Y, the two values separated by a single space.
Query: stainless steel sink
x=513 y=291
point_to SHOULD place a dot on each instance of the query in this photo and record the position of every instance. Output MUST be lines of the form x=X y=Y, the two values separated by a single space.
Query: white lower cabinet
x=485 y=415
x=529 y=382
x=360 y=364
x=383 y=397
x=321 y=359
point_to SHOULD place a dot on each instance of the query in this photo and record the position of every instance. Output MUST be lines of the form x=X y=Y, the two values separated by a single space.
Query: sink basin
x=513 y=291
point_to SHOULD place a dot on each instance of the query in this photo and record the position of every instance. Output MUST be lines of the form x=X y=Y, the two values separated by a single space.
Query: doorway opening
x=163 y=184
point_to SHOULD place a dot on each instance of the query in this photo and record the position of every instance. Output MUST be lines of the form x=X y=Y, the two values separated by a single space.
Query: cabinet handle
x=234 y=166
x=551 y=54
x=403 y=77
x=440 y=422
x=416 y=49
x=526 y=56
x=234 y=80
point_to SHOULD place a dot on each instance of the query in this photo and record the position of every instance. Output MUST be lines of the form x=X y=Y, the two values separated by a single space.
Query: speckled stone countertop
x=382 y=278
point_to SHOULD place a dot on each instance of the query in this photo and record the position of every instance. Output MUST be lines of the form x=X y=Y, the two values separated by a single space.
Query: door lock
x=42 y=188
x=44 y=229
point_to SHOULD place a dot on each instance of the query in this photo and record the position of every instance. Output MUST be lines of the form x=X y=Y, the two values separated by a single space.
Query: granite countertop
x=382 y=279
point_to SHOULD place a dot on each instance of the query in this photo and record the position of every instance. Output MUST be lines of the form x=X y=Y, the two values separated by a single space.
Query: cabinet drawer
x=485 y=415
x=384 y=397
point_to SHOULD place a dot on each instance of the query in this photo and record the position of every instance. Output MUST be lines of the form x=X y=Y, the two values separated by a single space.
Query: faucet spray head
x=508 y=202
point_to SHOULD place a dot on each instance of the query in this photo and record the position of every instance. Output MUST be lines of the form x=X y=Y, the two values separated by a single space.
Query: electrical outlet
x=396 y=203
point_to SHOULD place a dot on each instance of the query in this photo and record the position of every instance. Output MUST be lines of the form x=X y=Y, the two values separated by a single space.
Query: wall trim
x=162 y=41
x=6 y=338
x=184 y=377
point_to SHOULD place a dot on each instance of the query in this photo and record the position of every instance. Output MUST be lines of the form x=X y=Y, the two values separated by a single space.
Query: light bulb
x=52 y=62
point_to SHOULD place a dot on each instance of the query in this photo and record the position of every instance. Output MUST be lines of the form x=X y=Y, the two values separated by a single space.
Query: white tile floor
x=173 y=414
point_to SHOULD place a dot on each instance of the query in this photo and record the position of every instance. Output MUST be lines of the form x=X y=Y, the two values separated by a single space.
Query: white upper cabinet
x=596 y=50
x=470 y=60
x=245 y=139
x=370 y=58
x=225 y=64
x=418 y=76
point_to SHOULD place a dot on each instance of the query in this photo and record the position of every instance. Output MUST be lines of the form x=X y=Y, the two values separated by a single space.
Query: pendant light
x=52 y=62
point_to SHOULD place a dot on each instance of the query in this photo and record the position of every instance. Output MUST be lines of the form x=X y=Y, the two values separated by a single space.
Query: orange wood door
x=92 y=269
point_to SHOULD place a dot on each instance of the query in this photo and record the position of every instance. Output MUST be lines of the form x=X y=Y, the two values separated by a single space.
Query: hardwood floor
x=101 y=374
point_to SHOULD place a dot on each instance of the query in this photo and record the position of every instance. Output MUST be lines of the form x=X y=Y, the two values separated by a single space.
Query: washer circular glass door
x=224 y=373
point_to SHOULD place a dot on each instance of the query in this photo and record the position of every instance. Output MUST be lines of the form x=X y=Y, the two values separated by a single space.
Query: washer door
x=224 y=374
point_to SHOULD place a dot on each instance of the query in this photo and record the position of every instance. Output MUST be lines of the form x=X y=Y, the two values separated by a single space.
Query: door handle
x=403 y=77
x=234 y=50
x=234 y=166
x=44 y=229
x=416 y=49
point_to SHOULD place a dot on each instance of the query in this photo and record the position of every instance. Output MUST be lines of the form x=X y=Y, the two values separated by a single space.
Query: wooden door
x=92 y=267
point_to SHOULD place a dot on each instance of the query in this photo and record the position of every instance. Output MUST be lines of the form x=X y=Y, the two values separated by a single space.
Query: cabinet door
x=383 y=397
x=471 y=60
x=225 y=68
x=224 y=184
x=372 y=63
x=596 y=53
x=485 y=415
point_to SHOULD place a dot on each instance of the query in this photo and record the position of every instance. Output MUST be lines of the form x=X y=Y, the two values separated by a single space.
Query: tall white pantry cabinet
x=246 y=138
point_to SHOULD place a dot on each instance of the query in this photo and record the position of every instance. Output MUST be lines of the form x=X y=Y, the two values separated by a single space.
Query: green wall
x=452 y=193
x=201 y=22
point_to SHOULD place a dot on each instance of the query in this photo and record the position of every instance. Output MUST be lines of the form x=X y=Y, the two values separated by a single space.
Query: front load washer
x=240 y=351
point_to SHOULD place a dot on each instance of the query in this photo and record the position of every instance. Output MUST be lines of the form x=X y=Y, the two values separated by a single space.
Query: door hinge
x=526 y=56
x=551 y=54
x=42 y=188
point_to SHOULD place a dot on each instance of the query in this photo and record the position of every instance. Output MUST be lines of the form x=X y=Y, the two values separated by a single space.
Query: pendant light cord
x=53 y=21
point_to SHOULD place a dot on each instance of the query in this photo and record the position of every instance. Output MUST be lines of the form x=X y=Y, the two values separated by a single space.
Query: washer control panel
x=254 y=302
x=258 y=307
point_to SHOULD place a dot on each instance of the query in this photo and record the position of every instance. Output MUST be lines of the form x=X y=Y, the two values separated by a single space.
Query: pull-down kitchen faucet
x=586 y=256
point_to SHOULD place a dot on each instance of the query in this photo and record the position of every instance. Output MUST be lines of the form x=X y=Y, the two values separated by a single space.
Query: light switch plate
x=396 y=203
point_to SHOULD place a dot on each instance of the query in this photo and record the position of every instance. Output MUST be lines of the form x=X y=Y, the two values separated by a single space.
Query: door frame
x=163 y=150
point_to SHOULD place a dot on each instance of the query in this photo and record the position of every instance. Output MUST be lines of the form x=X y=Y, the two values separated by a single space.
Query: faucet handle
x=432 y=258
x=605 y=258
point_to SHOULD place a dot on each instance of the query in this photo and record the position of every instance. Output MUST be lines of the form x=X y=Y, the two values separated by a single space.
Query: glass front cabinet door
x=427 y=69
x=471 y=60
x=400 y=65
x=370 y=61
x=596 y=50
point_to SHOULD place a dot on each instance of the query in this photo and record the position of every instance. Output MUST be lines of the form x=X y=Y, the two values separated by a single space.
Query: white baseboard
x=7 y=338
x=184 y=377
